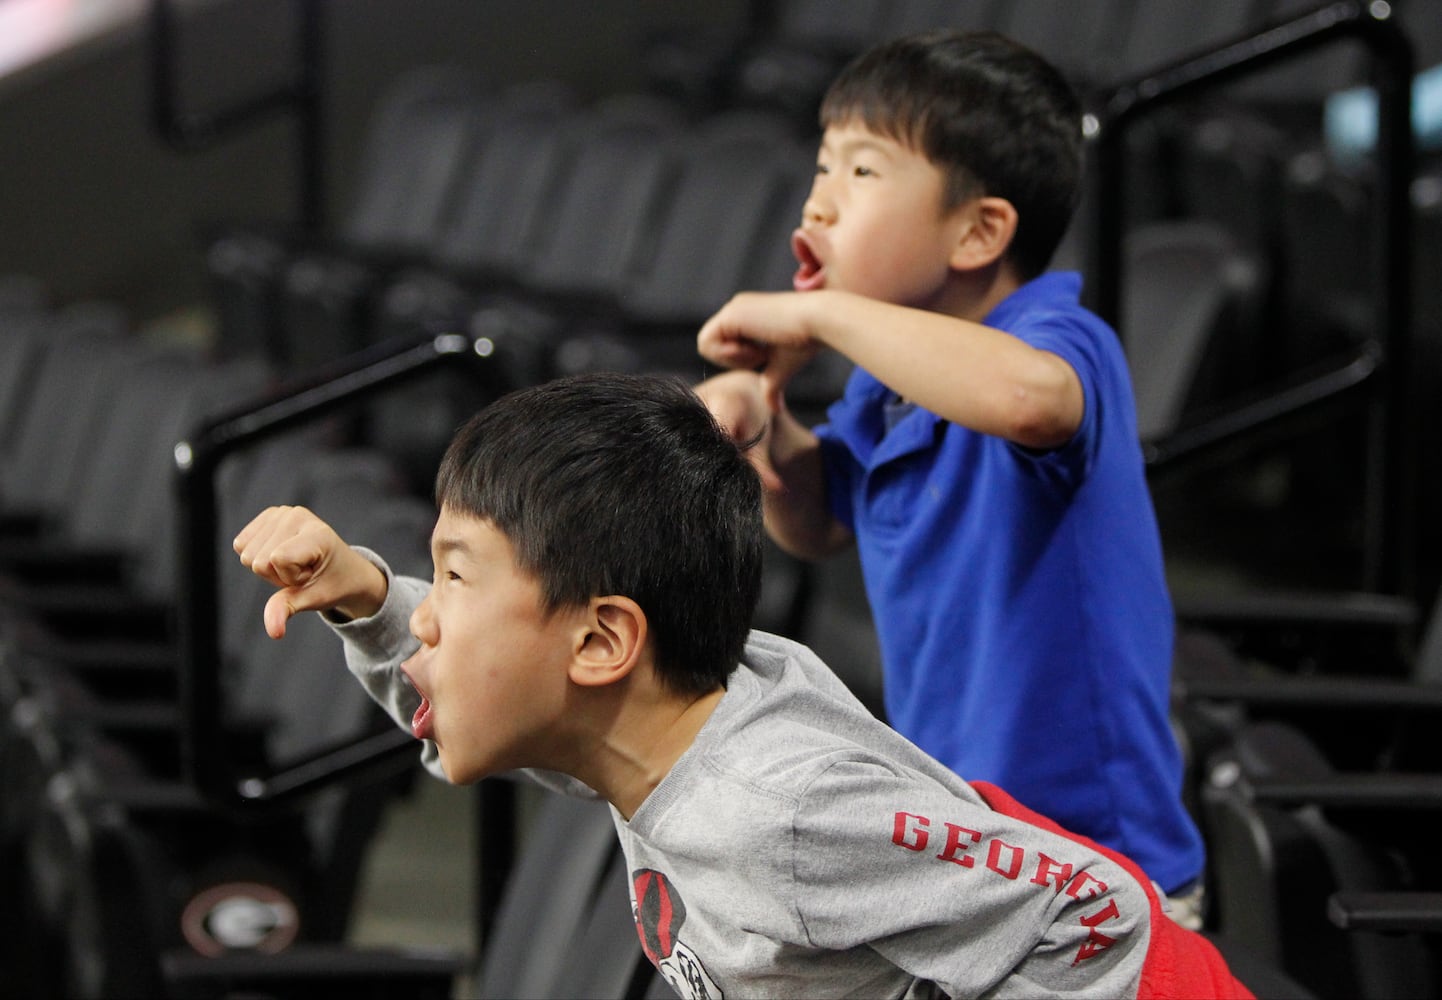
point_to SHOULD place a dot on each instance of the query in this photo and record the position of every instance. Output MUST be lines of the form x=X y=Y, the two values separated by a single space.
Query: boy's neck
x=627 y=747
x=972 y=295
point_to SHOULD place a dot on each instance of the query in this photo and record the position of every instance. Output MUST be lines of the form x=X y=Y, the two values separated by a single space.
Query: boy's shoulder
x=787 y=720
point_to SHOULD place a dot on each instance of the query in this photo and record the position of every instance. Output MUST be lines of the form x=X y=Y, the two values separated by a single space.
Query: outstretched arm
x=312 y=567
x=966 y=373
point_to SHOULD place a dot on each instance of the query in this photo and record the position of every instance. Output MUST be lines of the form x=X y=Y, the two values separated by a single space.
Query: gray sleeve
x=977 y=902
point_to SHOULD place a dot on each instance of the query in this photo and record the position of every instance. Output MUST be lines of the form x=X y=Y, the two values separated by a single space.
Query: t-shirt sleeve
x=959 y=895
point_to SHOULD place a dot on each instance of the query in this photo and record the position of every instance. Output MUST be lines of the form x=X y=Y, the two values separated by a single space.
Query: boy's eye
x=822 y=168
x=860 y=171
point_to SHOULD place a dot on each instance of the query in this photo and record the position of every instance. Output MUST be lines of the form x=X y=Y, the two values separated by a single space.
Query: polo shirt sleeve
x=1106 y=392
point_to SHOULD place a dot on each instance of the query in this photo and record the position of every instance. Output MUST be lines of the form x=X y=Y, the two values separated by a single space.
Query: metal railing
x=1379 y=372
x=206 y=755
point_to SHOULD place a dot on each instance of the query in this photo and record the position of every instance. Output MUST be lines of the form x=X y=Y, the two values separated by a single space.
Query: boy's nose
x=422 y=624
x=818 y=210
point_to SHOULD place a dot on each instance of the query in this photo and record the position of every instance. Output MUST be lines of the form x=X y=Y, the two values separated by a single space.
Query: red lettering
x=900 y=832
x=1108 y=912
x=955 y=848
x=993 y=859
x=1094 y=945
x=1050 y=870
x=1096 y=941
x=1074 y=887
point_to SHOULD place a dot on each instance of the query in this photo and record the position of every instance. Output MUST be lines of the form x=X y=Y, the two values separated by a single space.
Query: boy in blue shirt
x=984 y=456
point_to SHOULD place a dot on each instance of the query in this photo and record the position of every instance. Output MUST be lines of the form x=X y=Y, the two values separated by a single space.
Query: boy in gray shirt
x=597 y=559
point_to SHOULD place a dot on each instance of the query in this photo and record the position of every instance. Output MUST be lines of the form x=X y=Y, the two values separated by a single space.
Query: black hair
x=622 y=484
x=997 y=117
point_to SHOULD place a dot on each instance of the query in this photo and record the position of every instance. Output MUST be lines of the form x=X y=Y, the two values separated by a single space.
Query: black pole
x=303 y=96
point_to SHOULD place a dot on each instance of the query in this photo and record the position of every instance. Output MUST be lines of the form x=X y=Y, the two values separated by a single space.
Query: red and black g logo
x=660 y=913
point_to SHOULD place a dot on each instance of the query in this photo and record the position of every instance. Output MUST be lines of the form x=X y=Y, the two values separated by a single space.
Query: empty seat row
x=113 y=860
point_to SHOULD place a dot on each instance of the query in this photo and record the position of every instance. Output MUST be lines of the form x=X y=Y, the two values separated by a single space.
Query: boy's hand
x=765 y=330
x=315 y=570
x=738 y=401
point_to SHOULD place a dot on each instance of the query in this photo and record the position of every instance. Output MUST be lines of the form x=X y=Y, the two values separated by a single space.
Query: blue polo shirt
x=1019 y=596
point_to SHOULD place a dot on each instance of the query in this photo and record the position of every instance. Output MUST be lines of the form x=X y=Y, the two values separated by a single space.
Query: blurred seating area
x=189 y=807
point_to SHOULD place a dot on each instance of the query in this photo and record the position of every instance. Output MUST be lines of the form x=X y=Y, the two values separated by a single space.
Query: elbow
x=1046 y=411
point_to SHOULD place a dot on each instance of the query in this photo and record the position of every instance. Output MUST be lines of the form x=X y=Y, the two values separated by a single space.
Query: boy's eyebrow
x=850 y=144
x=448 y=544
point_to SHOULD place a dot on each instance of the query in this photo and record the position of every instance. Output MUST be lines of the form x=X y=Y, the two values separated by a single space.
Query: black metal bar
x=198 y=458
x=1297 y=400
x=1129 y=101
x=192 y=131
x=1388 y=513
x=1370 y=790
x=1400 y=911
x=1391 y=563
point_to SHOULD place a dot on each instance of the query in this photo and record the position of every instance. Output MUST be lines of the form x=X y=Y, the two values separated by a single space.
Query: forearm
x=798 y=517
x=966 y=373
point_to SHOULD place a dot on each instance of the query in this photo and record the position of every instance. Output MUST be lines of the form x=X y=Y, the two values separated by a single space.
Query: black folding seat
x=497 y=203
x=420 y=137
x=22 y=294
x=295 y=698
x=788 y=65
x=68 y=393
x=607 y=960
x=563 y=882
x=740 y=182
x=73 y=690
x=1281 y=848
x=1189 y=321
x=22 y=319
x=580 y=193
x=782 y=56
x=119 y=524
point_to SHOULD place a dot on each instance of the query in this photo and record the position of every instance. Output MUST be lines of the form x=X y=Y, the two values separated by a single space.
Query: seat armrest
x=1386 y=911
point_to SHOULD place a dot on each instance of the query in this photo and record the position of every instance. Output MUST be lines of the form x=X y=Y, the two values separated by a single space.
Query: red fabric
x=1180 y=964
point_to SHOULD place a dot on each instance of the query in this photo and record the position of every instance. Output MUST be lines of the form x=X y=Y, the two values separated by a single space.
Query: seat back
x=570 y=846
x=418 y=142
x=70 y=397
x=734 y=182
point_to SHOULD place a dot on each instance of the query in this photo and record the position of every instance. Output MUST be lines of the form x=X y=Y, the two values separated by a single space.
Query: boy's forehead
x=456 y=531
x=854 y=134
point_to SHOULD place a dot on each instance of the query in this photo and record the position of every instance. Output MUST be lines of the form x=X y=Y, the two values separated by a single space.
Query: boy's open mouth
x=811 y=272
x=421 y=721
x=421 y=727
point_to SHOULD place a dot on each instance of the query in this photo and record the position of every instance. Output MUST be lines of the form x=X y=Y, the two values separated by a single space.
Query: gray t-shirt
x=800 y=847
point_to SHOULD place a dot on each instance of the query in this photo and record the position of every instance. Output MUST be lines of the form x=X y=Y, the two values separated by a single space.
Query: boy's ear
x=988 y=225
x=610 y=642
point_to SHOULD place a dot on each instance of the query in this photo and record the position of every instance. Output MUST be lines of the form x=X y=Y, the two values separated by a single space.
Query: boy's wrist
x=368 y=595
